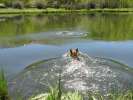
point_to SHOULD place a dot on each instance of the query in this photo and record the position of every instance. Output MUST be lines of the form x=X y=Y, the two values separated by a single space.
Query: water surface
x=28 y=39
x=83 y=75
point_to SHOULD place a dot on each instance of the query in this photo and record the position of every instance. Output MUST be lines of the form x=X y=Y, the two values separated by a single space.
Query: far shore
x=60 y=10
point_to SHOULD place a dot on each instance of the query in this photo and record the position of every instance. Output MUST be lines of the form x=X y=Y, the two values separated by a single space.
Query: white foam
x=70 y=33
x=83 y=70
x=77 y=84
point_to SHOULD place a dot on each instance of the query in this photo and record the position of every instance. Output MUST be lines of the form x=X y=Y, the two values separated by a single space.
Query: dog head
x=74 y=53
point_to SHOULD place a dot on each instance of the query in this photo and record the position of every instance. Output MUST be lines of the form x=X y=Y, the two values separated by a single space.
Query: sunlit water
x=28 y=39
x=25 y=40
x=87 y=74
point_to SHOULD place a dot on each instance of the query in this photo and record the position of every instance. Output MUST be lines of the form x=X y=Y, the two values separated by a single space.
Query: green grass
x=121 y=96
x=53 y=95
x=57 y=94
x=3 y=87
x=60 y=10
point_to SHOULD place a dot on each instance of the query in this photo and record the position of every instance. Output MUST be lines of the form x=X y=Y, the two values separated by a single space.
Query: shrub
x=28 y=5
x=18 y=5
x=104 y=5
x=75 y=7
x=8 y=4
x=114 y=5
x=2 y=5
x=40 y=5
x=91 y=5
x=67 y=7
x=81 y=6
x=55 y=4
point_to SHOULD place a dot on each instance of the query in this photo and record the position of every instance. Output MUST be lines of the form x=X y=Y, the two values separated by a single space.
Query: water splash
x=71 y=33
x=86 y=74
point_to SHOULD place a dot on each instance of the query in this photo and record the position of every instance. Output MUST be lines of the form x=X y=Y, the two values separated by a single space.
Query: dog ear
x=71 y=51
x=77 y=50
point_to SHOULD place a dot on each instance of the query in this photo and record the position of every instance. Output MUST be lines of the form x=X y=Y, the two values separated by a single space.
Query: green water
x=99 y=26
x=25 y=39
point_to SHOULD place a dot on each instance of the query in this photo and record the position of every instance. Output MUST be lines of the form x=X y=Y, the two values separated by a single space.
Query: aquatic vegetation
x=53 y=95
x=127 y=95
x=3 y=87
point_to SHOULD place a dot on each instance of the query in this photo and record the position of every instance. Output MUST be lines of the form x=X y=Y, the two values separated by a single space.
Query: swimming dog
x=74 y=53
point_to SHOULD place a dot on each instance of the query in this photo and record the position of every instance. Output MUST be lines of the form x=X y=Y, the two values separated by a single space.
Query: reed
x=3 y=87
x=53 y=95
x=57 y=94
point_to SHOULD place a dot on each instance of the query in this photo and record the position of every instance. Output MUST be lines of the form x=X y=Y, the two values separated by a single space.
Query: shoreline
x=53 y=10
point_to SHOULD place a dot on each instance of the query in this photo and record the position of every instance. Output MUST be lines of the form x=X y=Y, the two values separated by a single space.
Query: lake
x=26 y=39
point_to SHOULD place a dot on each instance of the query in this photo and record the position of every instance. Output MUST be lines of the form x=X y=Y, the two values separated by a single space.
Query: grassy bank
x=53 y=95
x=57 y=94
x=53 y=10
x=3 y=87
